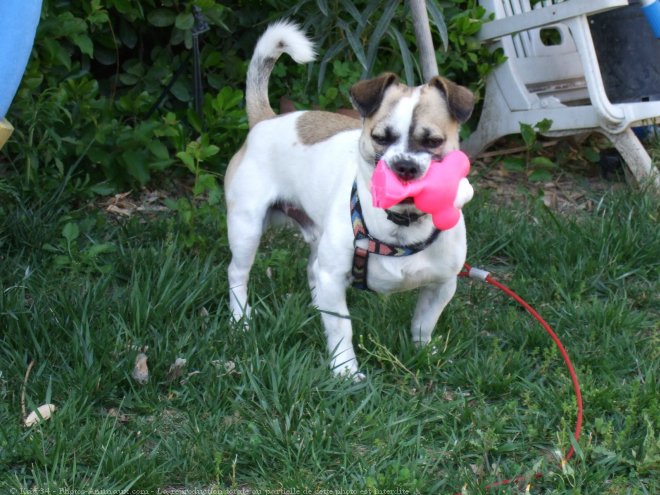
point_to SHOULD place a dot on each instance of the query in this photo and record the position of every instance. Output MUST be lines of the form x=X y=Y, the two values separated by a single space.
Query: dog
x=313 y=168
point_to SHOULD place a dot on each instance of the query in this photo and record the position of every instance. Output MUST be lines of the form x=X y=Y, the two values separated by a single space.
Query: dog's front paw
x=358 y=377
x=241 y=318
x=420 y=343
x=349 y=373
x=354 y=376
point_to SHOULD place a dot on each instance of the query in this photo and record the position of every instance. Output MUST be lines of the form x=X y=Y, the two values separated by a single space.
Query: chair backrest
x=543 y=63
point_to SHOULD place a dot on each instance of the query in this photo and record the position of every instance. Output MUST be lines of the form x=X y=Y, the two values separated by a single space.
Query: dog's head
x=408 y=127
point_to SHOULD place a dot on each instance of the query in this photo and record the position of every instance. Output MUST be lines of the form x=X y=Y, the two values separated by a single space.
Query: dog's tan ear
x=368 y=95
x=459 y=99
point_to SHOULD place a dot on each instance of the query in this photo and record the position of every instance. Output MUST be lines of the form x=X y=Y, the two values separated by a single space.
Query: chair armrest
x=550 y=14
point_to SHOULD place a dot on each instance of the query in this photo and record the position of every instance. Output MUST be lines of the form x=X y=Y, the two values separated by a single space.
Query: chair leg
x=478 y=141
x=636 y=157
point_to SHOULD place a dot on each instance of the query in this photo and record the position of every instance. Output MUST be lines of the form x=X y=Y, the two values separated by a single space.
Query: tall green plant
x=378 y=36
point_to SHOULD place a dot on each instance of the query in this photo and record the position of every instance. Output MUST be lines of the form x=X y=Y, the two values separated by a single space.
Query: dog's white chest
x=394 y=274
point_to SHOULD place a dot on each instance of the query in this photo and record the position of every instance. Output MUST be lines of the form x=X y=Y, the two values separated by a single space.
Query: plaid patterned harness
x=361 y=255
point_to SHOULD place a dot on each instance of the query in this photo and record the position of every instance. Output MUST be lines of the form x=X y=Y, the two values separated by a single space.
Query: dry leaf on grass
x=205 y=316
x=230 y=367
x=141 y=370
x=43 y=412
x=116 y=413
x=176 y=369
x=147 y=202
x=119 y=204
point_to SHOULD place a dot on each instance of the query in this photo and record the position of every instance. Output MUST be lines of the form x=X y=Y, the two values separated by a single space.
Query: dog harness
x=361 y=255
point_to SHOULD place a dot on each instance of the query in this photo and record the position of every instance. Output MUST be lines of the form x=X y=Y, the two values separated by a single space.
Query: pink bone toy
x=442 y=191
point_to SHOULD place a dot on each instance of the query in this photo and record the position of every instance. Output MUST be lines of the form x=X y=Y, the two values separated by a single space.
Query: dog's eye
x=385 y=139
x=432 y=142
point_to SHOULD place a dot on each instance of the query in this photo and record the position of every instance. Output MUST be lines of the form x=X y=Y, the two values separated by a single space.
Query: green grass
x=260 y=411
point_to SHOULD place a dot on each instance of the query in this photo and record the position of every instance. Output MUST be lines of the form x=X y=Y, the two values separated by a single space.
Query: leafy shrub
x=96 y=74
x=89 y=110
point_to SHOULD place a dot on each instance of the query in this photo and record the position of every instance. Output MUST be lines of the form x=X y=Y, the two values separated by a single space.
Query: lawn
x=82 y=293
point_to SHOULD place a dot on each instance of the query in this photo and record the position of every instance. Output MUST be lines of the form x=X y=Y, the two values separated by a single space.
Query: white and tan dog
x=304 y=165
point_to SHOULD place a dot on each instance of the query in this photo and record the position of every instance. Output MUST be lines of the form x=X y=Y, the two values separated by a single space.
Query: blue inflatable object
x=18 y=25
x=651 y=9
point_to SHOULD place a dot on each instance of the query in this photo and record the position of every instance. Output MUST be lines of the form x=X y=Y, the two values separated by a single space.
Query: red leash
x=483 y=275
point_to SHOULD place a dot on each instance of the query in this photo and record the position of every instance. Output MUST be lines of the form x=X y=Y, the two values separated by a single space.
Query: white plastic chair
x=559 y=81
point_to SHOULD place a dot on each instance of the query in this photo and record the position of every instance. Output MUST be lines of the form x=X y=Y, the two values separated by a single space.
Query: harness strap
x=375 y=246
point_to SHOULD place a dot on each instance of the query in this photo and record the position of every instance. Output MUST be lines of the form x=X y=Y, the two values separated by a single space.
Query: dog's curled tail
x=281 y=37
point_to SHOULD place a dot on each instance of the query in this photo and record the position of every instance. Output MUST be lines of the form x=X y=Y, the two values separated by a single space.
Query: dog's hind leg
x=244 y=229
x=430 y=304
x=311 y=274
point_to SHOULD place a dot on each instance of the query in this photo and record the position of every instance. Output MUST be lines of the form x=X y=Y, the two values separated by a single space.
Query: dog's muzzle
x=406 y=169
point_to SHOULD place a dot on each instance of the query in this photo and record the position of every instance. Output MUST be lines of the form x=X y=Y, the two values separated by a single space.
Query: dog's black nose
x=406 y=169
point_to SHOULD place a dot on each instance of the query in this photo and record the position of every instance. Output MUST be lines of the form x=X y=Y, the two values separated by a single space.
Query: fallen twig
x=25 y=380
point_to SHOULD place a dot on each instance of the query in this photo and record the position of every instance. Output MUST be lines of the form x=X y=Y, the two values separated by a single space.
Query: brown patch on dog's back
x=314 y=127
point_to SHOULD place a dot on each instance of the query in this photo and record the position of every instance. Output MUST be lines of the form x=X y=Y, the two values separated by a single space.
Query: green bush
x=88 y=111
x=96 y=73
